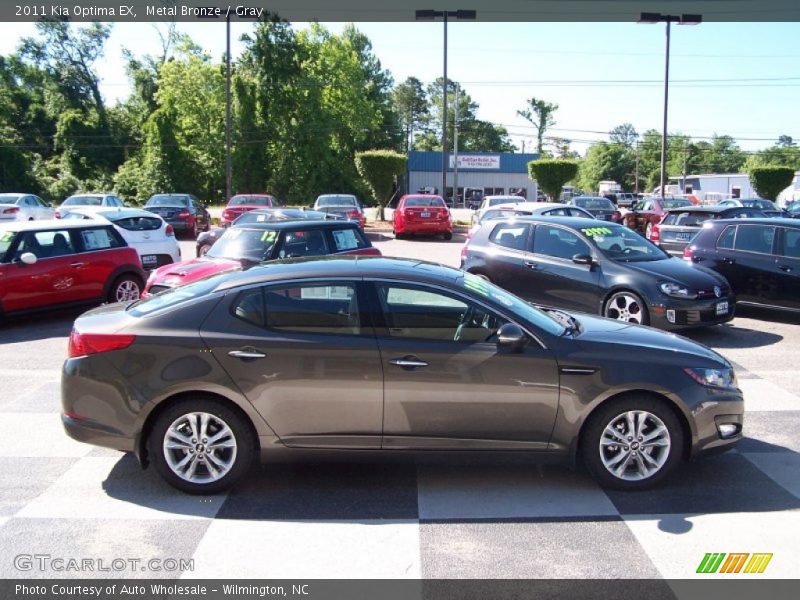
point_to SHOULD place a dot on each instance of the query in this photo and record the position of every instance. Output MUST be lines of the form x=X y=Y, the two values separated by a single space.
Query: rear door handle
x=77 y=264
x=247 y=354
x=531 y=264
x=729 y=261
x=785 y=268
x=408 y=362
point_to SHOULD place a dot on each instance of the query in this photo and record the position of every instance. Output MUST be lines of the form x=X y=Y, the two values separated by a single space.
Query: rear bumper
x=426 y=228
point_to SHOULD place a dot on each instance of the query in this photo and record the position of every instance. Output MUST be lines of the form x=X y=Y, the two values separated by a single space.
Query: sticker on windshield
x=269 y=236
x=7 y=236
x=594 y=232
x=476 y=284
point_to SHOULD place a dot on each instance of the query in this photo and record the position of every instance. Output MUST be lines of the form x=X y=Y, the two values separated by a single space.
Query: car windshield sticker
x=7 y=236
x=594 y=232
x=345 y=239
x=480 y=286
x=269 y=236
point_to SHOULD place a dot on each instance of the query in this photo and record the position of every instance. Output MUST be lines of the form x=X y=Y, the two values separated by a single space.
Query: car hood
x=187 y=271
x=679 y=271
x=622 y=340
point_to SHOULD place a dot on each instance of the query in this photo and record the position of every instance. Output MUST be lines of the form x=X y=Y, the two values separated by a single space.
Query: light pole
x=430 y=15
x=651 y=18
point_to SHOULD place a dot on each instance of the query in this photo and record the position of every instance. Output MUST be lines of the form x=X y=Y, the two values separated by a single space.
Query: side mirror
x=511 y=338
x=583 y=259
x=29 y=258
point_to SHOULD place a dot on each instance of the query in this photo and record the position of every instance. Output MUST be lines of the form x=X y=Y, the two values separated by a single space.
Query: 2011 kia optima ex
x=378 y=354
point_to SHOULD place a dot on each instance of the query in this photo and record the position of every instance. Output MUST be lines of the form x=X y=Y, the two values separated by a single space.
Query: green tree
x=624 y=134
x=769 y=181
x=606 y=161
x=551 y=174
x=411 y=105
x=540 y=114
x=380 y=169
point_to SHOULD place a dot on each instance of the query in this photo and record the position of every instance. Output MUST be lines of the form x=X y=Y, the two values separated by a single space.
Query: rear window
x=251 y=201
x=687 y=219
x=594 y=203
x=675 y=203
x=348 y=239
x=83 y=201
x=337 y=201
x=425 y=202
x=510 y=235
x=138 y=223
x=495 y=201
x=159 y=200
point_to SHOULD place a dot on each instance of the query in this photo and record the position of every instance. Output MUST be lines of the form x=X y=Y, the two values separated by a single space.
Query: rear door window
x=790 y=243
x=725 y=241
x=348 y=239
x=99 y=238
x=328 y=308
x=755 y=238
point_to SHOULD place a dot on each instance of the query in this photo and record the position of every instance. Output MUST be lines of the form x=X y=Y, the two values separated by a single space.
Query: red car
x=45 y=264
x=242 y=203
x=422 y=214
x=248 y=244
x=648 y=212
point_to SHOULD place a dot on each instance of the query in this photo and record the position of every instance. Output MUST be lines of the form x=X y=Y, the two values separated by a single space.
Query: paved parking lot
x=401 y=520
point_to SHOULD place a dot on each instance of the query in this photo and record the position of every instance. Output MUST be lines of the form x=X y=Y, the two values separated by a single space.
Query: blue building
x=491 y=174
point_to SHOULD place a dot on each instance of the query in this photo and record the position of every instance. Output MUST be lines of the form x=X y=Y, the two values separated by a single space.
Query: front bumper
x=719 y=422
x=673 y=313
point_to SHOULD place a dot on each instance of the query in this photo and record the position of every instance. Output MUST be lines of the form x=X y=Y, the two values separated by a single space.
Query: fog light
x=727 y=430
x=670 y=315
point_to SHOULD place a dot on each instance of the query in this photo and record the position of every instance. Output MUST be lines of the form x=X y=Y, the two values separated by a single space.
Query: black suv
x=759 y=257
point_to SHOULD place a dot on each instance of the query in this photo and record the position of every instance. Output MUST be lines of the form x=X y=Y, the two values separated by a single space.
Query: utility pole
x=228 y=133
x=636 y=175
x=683 y=183
x=455 y=151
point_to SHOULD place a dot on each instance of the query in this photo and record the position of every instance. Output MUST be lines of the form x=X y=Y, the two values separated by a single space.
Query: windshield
x=9 y=198
x=623 y=244
x=168 y=201
x=527 y=312
x=675 y=203
x=83 y=201
x=251 y=201
x=253 y=245
x=594 y=203
x=6 y=239
x=337 y=201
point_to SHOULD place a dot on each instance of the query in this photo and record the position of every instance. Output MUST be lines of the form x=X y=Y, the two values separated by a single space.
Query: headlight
x=676 y=290
x=718 y=378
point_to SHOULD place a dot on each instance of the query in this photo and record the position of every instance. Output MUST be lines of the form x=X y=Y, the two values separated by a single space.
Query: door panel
x=505 y=263
x=309 y=367
x=787 y=267
x=446 y=386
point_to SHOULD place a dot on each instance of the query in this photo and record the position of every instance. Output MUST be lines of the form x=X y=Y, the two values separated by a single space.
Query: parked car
x=89 y=201
x=759 y=257
x=601 y=268
x=57 y=263
x=151 y=236
x=247 y=244
x=526 y=209
x=242 y=203
x=492 y=201
x=793 y=210
x=626 y=199
x=183 y=211
x=262 y=215
x=385 y=355
x=343 y=205
x=24 y=207
x=422 y=214
x=680 y=225
x=768 y=207
x=601 y=208
x=649 y=212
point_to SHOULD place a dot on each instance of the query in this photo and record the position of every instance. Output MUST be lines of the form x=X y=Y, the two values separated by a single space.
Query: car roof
x=342 y=266
x=309 y=224
x=50 y=224
x=264 y=195
x=116 y=212
x=571 y=222
x=530 y=206
x=703 y=209
x=784 y=221
x=14 y=194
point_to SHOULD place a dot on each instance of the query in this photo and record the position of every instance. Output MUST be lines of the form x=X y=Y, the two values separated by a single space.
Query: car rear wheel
x=632 y=443
x=201 y=446
x=447 y=236
x=627 y=306
x=203 y=250
x=125 y=288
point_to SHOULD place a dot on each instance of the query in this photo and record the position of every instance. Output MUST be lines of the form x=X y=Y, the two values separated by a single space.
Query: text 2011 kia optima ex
x=377 y=354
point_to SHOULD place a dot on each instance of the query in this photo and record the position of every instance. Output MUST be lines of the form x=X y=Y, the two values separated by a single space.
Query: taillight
x=83 y=344
x=655 y=233
x=184 y=214
x=169 y=230
x=688 y=254
x=353 y=214
x=11 y=211
x=463 y=252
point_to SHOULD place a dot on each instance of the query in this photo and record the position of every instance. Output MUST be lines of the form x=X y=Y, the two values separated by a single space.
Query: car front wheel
x=201 y=446
x=632 y=443
x=627 y=306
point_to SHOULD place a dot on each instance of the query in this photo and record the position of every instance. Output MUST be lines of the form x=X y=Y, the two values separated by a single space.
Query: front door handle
x=247 y=354
x=408 y=362
x=77 y=264
x=531 y=264
x=785 y=268
x=729 y=261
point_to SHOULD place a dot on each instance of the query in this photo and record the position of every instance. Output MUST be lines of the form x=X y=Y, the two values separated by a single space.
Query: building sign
x=483 y=161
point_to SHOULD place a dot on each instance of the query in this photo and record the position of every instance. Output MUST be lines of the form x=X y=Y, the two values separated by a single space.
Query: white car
x=24 y=207
x=490 y=201
x=94 y=202
x=545 y=209
x=151 y=236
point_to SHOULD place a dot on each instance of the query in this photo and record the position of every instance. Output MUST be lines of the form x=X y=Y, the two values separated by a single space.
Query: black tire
x=125 y=287
x=203 y=250
x=619 y=307
x=613 y=411
x=447 y=236
x=240 y=457
x=399 y=236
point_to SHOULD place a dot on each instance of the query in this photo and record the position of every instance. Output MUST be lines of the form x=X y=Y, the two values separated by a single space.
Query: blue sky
x=741 y=79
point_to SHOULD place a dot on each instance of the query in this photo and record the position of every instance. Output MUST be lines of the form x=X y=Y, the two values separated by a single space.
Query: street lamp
x=652 y=18
x=460 y=15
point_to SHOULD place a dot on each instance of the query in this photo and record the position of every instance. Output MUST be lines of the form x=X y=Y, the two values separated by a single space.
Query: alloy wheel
x=200 y=447
x=635 y=445
x=127 y=290
x=626 y=307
